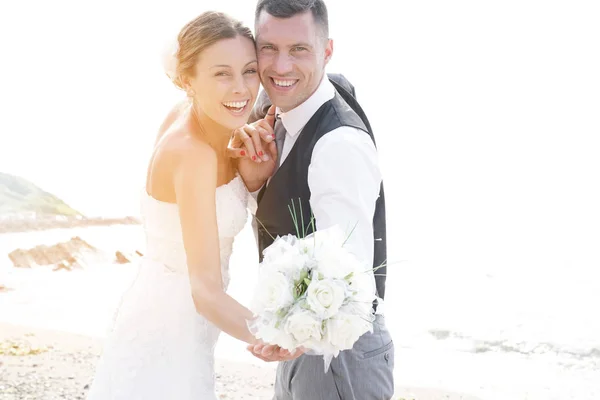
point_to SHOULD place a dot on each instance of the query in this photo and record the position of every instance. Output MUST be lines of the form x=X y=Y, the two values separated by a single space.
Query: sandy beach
x=52 y=323
x=61 y=366
x=53 y=365
x=66 y=313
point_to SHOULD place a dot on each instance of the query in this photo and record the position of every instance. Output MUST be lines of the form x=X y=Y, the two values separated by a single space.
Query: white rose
x=336 y=263
x=304 y=326
x=344 y=329
x=273 y=293
x=280 y=246
x=285 y=256
x=324 y=240
x=325 y=297
x=292 y=264
x=269 y=333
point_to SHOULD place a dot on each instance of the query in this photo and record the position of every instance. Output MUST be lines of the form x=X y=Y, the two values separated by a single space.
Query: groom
x=327 y=160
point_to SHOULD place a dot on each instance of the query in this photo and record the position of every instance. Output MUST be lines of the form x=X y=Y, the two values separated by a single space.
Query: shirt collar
x=295 y=119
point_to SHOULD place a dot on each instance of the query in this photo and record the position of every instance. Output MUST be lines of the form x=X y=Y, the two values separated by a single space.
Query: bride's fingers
x=255 y=135
x=236 y=152
x=235 y=148
x=267 y=133
x=284 y=353
x=263 y=152
x=278 y=354
x=251 y=347
x=266 y=359
x=242 y=135
x=258 y=348
x=269 y=350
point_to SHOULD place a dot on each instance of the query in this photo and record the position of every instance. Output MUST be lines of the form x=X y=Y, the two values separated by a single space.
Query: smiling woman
x=193 y=206
x=196 y=73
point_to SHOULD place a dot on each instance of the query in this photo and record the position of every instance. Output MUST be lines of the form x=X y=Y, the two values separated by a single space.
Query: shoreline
x=37 y=225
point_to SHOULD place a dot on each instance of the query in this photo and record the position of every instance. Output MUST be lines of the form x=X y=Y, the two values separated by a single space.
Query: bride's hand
x=250 y=140
x=255 y=149
x=271 y=353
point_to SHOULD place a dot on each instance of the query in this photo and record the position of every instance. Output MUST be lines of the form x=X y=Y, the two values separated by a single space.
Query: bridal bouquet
x=313 y=293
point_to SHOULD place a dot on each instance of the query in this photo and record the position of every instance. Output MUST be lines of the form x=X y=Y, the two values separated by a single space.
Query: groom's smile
x=283 y=85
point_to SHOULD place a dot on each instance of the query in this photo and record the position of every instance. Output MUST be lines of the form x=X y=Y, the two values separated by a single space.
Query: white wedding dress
x=159 y=346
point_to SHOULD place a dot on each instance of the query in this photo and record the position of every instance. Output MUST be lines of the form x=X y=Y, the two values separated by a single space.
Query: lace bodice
x=164 y=240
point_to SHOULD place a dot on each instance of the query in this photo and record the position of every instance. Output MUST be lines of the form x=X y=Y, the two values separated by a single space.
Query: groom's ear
x=328 y=50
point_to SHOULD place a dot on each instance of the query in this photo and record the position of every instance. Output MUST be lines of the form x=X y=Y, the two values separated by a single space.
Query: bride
x=194 y=204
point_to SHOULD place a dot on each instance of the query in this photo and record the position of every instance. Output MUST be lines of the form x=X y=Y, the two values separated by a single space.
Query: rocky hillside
x=19 y=197
x=25 y=207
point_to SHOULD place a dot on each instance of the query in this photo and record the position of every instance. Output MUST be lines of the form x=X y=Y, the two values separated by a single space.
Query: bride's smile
x=236 y=107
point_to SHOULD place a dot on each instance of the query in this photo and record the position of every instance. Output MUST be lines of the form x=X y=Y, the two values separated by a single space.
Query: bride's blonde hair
x=197 y=35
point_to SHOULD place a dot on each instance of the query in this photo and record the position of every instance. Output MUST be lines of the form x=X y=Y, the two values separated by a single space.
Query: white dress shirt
x=343 y=175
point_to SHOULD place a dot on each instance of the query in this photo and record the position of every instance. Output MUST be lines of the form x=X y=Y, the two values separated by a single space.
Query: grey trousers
x=363 y=373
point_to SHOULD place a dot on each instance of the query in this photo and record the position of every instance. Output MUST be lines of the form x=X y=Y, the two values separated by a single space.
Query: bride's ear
x=187 y=86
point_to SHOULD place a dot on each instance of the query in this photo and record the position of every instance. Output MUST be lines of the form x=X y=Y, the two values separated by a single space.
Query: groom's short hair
x=289 y=8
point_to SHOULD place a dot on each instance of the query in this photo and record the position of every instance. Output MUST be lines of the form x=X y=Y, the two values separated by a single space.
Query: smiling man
x=327 y=160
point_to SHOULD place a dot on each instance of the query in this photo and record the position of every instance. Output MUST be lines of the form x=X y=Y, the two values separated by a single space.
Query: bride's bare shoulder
x=177 y=139
x=181 y=146
x=179 y=156
x=174 y=114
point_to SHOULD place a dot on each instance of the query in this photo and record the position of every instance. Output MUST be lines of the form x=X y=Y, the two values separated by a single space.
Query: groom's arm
x=344 y=180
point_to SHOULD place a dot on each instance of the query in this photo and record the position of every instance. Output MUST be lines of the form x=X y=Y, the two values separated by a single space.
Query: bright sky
x=486 y=113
